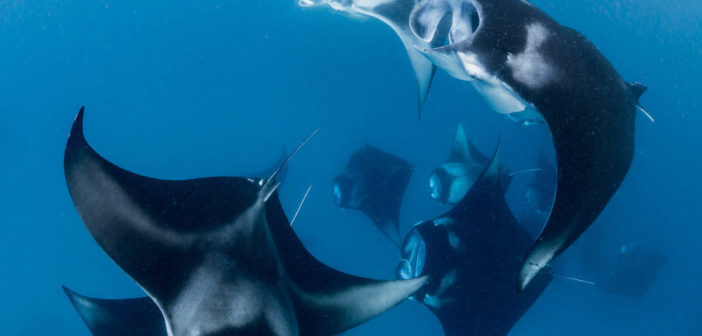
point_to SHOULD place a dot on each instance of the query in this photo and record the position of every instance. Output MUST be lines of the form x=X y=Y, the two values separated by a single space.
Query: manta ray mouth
x=470 y=22
x=445 y=22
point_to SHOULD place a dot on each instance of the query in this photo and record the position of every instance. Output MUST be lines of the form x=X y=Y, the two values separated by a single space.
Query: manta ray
x=452 y=180
x=637 y=266
x=529 y=66
x=374 y=183
x=471 y=255
x=217 y=255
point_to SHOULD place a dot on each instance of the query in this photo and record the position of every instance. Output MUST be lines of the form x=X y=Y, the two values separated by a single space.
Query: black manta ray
x=529 y=66
x=217 y=255
x=471 y=255
x=374 y=182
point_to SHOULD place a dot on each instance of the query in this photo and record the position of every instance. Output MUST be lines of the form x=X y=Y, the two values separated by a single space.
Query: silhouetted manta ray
x=522 y=61
x=472 y=255
x=374 y=183
x=217 y=255
x=637 y=267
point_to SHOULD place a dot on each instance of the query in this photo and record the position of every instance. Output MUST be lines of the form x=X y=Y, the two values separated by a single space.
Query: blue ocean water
x=182 y=89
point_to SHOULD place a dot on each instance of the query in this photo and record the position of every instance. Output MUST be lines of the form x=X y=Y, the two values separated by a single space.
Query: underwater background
x=183 y=89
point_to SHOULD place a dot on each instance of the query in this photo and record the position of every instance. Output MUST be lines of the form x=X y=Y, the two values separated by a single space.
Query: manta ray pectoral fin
x=424 y=70
x=116 y=205
x=391 y=231
x=540 y=254
x=338 y=308
x=328 y=301
x=459 y=147
x=463 y=150
x=492 y=171
x=134 y=317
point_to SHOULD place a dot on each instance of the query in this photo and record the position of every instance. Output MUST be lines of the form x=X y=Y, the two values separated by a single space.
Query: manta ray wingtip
x=67 y=291
x=77 y=129
x=76 y=299
x=529 y=271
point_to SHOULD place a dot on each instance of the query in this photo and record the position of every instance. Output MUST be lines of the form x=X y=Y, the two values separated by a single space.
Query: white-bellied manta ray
x=217 y=255
x=524 y=62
